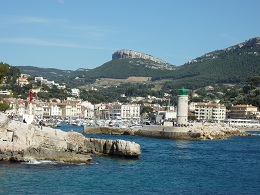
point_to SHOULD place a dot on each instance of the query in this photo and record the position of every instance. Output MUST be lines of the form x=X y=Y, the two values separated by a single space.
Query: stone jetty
x=26 y=142
x=194 y=131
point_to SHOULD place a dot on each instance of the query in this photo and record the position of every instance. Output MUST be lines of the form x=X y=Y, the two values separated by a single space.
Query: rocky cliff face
x=121 y=54
x=24 y=142
x=157 y=63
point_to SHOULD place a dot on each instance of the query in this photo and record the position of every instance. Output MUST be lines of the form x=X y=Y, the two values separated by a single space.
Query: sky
x=72 y=34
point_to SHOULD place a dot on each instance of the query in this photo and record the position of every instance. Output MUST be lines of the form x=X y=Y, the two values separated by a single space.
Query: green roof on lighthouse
x=183 y=91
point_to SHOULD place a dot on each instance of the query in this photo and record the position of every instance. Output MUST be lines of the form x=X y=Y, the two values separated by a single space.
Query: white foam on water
x=38 y=162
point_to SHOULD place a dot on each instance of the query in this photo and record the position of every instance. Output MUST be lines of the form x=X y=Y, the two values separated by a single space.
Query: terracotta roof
x=243 y=106
x=208 y=105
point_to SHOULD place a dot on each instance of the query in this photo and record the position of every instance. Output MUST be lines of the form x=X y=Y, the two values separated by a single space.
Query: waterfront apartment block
x=125 y=111
x=243 y=111
x=204 y=111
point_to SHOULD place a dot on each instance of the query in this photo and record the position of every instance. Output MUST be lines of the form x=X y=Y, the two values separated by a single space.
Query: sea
x=166 y=166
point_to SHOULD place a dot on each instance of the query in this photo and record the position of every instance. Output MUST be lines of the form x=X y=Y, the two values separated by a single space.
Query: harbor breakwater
x=26 y=142
x=198 y=131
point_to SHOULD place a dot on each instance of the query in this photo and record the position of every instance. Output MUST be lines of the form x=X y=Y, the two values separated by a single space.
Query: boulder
x=23 y=142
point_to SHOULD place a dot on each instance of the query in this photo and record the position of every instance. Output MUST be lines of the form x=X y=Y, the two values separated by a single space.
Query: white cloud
x=40 y=42
x=64 y=25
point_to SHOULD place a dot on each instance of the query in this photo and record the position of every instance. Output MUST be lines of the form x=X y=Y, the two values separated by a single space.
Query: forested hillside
x=124 y=68
x=231 y=65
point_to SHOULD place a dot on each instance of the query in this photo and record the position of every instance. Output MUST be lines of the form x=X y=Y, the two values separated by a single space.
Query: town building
x=40 y=79
x=243 y=111
x=102 y=111
x=48 y=83
x=23 y=80
x=215 y=112
x=75 y=92
x=87 y=110
x=5 y=92
x=125 y=111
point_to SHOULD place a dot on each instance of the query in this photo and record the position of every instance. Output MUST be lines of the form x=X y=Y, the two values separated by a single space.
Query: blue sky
x=72 y=34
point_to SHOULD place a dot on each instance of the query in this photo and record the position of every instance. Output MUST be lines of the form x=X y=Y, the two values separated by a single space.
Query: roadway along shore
x=194 y=131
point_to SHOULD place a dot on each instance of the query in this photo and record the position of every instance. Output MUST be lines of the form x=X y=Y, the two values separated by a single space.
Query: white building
x=37 y=110
x=61 y=86
x=125 y=111
x=168 y=115
x=75 y=92
x=38 y=79
x=5 y=92
x=216 y=112
x=130 y=111
x=87 y=110
x=49 y=83
x=55 y=110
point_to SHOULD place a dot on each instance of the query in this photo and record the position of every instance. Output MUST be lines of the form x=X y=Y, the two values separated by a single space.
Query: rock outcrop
x=24 y=142
x=157 y=63
x=217 y=131
x=124 y=53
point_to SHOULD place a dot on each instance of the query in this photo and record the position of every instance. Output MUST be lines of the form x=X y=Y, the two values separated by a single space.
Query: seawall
x=199 y=131
x=151 y=131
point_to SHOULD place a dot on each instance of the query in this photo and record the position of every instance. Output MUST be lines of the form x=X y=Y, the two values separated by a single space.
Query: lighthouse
x=182 y=107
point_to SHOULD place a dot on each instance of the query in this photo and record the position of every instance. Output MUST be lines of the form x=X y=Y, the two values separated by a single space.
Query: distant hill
x=44 y=72
x=231 y=65
x=120 y=68
x=52 y=74
x=124 y=68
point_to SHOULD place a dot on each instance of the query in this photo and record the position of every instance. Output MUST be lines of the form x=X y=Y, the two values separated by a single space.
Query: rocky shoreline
x=23 y=142
x=198 y=131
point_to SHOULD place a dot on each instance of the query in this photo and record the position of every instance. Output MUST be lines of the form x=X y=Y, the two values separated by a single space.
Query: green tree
x=3 y=70
x=147 y=109
x=252 y=83
x=191 y=116
x=12 y=75
x=3 y=106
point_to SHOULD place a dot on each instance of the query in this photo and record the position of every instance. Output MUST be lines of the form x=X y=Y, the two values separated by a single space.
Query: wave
x=255 y=134
x=58 y=163
x=38 y=162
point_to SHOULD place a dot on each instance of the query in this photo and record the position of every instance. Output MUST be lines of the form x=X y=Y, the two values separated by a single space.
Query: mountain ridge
x=253 y=42
x=233 y=64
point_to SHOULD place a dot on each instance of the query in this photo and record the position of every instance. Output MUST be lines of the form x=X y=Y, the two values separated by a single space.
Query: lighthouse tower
x=182 y=107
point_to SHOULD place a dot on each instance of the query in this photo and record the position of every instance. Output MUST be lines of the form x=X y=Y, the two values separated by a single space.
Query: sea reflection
x=181 y=143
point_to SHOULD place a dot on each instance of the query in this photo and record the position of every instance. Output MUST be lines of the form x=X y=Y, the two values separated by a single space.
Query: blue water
x=165 y=167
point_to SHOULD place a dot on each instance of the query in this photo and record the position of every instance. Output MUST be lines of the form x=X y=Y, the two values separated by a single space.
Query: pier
x=195 y=131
